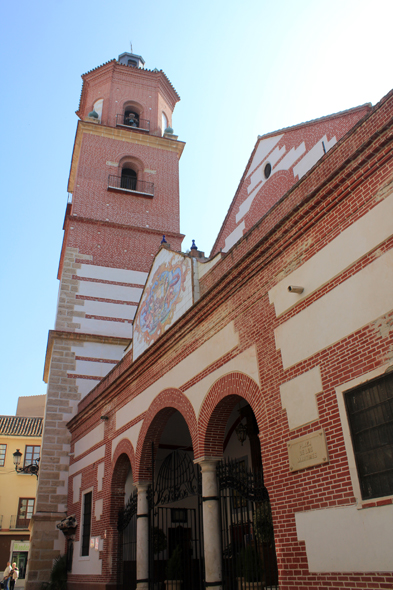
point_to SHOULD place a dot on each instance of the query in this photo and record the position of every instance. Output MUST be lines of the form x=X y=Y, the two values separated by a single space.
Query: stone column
x=142 y=537
x=211 y=523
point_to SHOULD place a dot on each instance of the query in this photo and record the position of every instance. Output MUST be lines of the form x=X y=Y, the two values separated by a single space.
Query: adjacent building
x=23 y=433
x=233 y=428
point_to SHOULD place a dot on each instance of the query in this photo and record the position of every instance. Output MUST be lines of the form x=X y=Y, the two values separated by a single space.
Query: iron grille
x=370 y=415
x=130 y=184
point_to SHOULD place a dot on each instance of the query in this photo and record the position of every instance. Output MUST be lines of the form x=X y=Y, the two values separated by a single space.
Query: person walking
x=7 y=573
x=14 y=576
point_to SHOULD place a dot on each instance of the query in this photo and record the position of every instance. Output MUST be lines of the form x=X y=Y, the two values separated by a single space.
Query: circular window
x=268 y=170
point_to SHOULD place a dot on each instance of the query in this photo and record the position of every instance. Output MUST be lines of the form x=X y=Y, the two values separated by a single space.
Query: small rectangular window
x=32 y=453
x=86 y=524
x=370 y=416
x=25 y=512
x=3 y=449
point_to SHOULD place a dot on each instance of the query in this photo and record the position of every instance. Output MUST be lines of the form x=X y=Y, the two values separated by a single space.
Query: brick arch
x=156 y=417
x=123 y=459
x=218 y=406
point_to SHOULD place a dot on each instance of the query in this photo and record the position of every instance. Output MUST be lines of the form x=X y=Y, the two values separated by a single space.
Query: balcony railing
x=19 y=523
x=132 y=122
x=131 y=185
x=1 y=521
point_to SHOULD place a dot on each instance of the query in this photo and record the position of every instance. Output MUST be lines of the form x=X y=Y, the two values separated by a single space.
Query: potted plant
x=174 y=570
x=250 y=569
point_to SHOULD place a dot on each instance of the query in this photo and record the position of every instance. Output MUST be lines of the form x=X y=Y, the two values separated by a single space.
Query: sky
x=242 y=69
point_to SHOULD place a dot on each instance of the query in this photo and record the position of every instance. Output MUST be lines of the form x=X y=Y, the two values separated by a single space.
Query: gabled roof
x=17 y=426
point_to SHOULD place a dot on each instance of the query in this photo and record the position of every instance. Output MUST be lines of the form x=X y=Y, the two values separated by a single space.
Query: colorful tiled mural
x=163 y=295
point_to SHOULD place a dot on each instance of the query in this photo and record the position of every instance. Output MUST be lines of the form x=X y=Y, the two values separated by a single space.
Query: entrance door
x=127 y=543
x=249 y=554
x=175 y=539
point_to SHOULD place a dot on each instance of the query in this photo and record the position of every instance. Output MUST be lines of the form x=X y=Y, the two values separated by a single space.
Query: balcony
x=19 y=523
x=130 y=185
x=134 y=123
x=1 y=521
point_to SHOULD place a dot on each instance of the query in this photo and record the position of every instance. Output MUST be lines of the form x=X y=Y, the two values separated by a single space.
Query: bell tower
x=123 y=196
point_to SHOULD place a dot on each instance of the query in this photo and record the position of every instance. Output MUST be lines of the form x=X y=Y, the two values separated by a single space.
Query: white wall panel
x=92 y=438
x=348 y=247
x=298 y=398
x=347 y=539
x=353 y=304
x=98 y=350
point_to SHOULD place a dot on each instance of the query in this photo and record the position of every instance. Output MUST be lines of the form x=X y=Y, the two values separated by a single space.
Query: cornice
x=133 y=137
x=62 y=335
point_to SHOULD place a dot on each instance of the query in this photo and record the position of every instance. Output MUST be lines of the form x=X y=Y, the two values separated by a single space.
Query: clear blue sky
x=242 y=69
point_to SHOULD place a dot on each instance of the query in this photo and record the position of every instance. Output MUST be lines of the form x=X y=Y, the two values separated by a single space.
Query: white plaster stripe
x=234 y=237
x=100 y=476
x=98 y=350
x=105 y=273
x=348 y=247
x=92 y=368
x=108 y=291
x=89 y=440
x=107 y=310
x=312 y=156
x=131 y=434
x=265 y=146
x=221 y=343
x=103 y=327
x=346 y=539
x=88 y=460
x=298 y=398
x=353 y=304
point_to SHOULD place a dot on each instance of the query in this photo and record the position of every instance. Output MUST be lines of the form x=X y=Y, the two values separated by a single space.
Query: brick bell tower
x=124 y=195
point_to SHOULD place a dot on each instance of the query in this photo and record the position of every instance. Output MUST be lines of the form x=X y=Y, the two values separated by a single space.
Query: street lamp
x=32 y=469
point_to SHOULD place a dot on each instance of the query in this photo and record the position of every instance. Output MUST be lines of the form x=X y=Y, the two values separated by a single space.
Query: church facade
x=242 y=437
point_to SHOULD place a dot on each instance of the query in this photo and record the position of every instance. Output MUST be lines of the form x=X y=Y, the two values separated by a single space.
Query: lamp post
x=31 y=469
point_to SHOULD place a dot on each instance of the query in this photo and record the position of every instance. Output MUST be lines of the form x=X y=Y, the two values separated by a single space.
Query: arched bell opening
x=176 y=544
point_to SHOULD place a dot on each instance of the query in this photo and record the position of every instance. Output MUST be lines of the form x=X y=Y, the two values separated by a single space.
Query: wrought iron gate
x=176 y=539
x=127 y=544
x=249 y=557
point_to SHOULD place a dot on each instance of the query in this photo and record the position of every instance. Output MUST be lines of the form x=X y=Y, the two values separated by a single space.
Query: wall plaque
x=307 y=451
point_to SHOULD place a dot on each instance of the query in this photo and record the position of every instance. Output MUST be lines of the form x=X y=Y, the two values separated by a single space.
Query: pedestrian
x=7 y=573
x=14 y=576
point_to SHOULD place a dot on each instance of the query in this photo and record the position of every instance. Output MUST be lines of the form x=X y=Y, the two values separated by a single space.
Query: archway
x=175 y=522
x=234 y=410
x=123 y=518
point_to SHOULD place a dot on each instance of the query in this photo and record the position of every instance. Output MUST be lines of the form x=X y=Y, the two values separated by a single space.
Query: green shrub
x=58 y=575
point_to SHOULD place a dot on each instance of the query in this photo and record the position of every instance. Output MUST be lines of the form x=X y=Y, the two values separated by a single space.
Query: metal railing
x=19 y=523
x=133 y=185
x=1 y=521
x=132 y=122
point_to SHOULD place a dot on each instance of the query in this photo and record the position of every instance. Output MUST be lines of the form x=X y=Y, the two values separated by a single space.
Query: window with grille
x=370 y=415
x=86 y=525
x=31 y=454
x=3 y=449
x=25 y=512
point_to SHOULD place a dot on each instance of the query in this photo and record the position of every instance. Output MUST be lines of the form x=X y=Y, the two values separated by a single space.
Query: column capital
x=208 y=463
x=141 y=486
